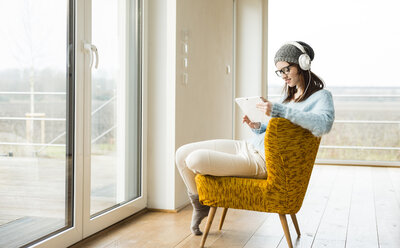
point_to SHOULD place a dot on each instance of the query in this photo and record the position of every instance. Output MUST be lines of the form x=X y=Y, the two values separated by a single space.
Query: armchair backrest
x=290 y=153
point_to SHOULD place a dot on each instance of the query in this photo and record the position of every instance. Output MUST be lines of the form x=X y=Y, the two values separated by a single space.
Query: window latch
x=92 y=49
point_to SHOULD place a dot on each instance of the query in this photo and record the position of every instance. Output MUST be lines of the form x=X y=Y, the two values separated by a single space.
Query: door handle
x=90 y=48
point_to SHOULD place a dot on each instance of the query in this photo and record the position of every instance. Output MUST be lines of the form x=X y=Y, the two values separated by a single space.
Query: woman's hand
x=253 y=125
x=265 y=107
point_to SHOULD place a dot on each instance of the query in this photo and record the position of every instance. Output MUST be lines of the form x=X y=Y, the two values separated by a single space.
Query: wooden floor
x=344 y=207
x=41 y=182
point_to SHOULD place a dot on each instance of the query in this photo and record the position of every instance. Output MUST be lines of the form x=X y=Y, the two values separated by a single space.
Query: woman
x=304 y=103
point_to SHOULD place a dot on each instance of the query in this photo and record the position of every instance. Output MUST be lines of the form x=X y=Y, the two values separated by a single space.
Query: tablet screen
x=248 y=107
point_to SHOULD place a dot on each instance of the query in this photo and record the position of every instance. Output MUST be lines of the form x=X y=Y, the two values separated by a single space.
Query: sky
x=356 y=43
x=34 y=32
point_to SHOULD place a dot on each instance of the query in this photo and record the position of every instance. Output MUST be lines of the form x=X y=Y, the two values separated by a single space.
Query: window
x=70 y=118
x=115 y=107
x=356 y=46
x=36 y=173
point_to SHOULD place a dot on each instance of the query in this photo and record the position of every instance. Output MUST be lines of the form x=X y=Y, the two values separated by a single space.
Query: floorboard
x=387 y=209
x=362 y=211
x=345 y=206
x=11 y=235
x=333 y=226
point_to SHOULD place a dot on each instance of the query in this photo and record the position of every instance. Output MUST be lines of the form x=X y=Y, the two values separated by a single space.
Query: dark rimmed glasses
x=284 y=70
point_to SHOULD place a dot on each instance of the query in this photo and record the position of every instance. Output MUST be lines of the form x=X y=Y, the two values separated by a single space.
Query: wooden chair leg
x=295 y=223
x=286 y=229
x=210 y=219
x=221 y=222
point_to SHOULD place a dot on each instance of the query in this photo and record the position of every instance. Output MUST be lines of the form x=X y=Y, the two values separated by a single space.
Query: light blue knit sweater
x=316 y=114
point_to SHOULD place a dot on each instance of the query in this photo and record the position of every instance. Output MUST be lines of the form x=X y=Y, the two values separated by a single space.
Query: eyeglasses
x=284 y=70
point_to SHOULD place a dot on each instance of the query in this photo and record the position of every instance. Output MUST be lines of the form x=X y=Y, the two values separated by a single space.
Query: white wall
x=160 y=103
x=249 y=56
x=204 y=101
x=164 y=186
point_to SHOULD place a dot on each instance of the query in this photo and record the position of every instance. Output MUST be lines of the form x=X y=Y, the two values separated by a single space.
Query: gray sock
x=199 y=213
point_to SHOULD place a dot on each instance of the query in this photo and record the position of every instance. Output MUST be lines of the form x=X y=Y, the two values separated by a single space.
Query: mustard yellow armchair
x=290 y=152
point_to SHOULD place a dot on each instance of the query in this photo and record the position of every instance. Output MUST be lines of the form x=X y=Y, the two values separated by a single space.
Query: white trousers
x=219 y=158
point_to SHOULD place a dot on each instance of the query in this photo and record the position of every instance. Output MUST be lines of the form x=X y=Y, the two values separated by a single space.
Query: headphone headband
x=298 y=45
x=304 y=59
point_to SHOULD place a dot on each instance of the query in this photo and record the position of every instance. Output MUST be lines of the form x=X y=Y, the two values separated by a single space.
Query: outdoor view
x=355 y=55
x=33 y=116
x=114 y=116
x=33 y=112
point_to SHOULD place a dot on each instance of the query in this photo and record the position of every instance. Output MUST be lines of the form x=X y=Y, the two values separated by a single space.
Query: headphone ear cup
x=305 y=62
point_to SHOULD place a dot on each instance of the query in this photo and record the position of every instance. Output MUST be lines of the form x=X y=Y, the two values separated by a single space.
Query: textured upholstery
x=290 y=152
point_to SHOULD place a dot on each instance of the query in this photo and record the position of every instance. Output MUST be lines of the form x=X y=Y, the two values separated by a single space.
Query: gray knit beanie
x=291 y=53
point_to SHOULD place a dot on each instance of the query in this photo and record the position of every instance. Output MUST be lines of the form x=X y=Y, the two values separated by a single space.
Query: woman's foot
x=199 y=213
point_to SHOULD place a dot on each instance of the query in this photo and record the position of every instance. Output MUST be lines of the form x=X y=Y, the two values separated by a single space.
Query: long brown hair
x=310 y=85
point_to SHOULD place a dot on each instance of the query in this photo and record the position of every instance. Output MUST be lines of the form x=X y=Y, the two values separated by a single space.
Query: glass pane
x=359 y=154
x=365 y=122
x=115 y=171
x=379 y=135
x=350 y=56
x=33 y=115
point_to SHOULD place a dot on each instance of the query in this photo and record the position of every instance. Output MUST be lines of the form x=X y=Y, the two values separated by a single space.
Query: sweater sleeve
x=261 y=129
x=318 y=118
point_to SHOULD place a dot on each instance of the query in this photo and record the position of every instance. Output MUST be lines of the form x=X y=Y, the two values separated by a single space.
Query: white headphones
x=304 y=59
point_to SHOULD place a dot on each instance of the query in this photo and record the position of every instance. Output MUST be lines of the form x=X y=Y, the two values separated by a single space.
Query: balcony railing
x=33 y=117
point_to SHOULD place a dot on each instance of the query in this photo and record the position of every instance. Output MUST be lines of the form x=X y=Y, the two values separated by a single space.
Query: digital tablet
x=248 y=106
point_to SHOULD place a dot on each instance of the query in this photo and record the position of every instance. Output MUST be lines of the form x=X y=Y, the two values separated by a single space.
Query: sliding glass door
x=114 y=175
x=70 y=118
x=36 y=112
x=112 y=154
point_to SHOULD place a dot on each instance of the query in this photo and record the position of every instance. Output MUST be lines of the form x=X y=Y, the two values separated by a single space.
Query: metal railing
x=52 y=142
x=359 y=121
x=42 y=146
